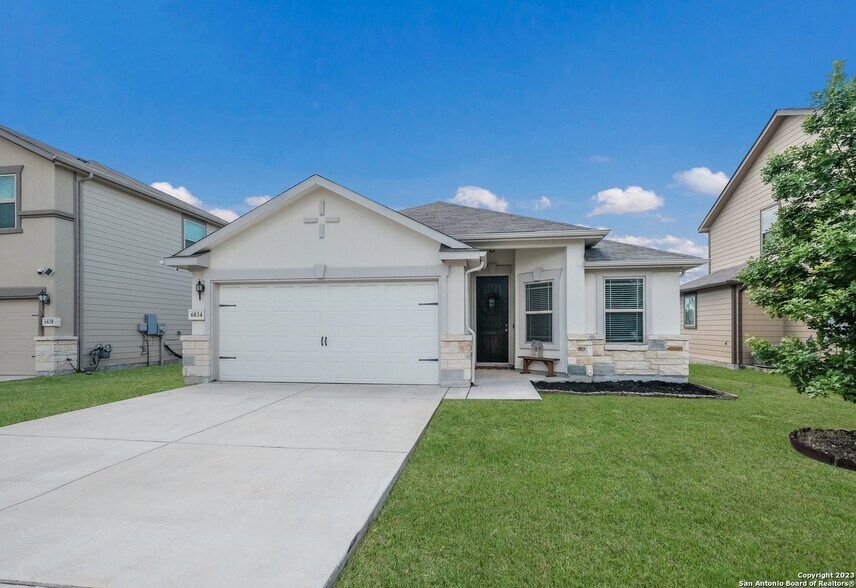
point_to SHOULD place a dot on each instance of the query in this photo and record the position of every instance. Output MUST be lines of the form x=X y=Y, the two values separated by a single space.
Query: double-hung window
x=8 y=201
x=193 y=232
x=690 y=311
x=624 y=303
x=539 y=311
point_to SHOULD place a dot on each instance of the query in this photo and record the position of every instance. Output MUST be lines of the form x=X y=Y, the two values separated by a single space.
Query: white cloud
x=179 y=192
x=702 y=179
x=256 y=200
x=479 y=198
x=543 y=203
x=186 y=195
x=669 y=243
x=600 y=158
x=224 y=213
x=633 y=199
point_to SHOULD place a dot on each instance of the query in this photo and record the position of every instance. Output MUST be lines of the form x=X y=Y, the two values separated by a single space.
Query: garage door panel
x=374 y=332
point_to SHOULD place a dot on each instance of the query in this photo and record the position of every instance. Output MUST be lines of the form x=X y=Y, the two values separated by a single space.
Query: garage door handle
x=228 y=357
x=434 y=359
x=429 y=304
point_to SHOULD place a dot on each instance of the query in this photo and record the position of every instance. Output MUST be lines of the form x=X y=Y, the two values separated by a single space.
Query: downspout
x=78 y=184
x=740 y=325
x=734 y=326
x=479 y=267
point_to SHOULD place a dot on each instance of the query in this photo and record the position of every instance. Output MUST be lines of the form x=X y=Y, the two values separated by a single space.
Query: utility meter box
x=152 y=324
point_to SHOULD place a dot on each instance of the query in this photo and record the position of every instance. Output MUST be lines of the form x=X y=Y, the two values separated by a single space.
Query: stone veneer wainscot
x=53 y=355
x=456 y=353
x=663 y=357
x=196 y=359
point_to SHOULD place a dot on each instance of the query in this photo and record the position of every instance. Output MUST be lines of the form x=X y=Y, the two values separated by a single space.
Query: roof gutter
x=677 y=264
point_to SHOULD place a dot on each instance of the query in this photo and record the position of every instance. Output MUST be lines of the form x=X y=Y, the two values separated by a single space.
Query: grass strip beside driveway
x=24 y=400
x=617 y=491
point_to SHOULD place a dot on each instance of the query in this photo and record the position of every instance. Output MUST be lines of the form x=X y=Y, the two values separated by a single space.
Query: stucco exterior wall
x=360 y=239
x=360 y=245
x=535 y=265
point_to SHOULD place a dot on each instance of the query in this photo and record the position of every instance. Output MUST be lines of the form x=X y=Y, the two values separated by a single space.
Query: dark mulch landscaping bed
x=633 y=388
x=833 y=446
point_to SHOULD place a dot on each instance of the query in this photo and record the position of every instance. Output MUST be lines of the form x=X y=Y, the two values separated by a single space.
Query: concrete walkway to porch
x=499 y=384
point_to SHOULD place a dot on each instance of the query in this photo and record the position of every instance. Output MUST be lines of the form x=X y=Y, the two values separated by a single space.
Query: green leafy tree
x=807 y=267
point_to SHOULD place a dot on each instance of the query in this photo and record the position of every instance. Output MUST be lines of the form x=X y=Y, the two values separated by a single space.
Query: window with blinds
x=539 y=311
x=624 y=302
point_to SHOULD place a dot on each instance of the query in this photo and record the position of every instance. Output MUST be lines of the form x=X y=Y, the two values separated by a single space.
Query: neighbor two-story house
x=80 y=246
x=717 y=315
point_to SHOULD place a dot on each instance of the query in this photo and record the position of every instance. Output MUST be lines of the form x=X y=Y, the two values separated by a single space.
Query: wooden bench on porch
x=548 y=362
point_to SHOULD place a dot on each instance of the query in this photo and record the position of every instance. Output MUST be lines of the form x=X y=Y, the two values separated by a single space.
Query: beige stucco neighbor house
x=91 y=238
x=321 y=284
x=717 y=315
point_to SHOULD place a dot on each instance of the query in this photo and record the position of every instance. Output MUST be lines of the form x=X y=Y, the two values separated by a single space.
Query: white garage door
x=374 y=332
x=18 y=326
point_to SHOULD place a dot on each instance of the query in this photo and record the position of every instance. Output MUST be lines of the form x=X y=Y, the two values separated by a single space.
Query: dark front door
x=492 y=319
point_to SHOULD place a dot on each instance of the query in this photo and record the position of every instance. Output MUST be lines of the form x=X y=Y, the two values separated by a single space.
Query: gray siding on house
x=123 y=239
x=735 y=235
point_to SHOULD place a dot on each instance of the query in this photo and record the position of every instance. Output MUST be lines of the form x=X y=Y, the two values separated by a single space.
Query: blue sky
x=410 y=103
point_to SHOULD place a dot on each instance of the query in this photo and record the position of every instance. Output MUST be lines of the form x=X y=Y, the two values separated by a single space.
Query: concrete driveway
x=212 y=485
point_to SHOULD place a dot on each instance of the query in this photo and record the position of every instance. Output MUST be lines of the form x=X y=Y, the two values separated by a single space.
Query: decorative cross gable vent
x=321 y=220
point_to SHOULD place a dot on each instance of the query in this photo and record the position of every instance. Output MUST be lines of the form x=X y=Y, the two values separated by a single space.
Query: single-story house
x=321 y=284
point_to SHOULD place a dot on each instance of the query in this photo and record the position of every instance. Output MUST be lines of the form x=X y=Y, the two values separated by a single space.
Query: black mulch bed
x=633 y=388
x=832 y=446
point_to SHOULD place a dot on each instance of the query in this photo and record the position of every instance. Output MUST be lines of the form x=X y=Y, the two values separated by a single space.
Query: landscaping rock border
x=653 y=388
x=804 y=447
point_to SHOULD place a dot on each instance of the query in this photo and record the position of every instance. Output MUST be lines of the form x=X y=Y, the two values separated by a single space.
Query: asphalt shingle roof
x=459 y=221
x=456 y=220
x=607 y=250
x=721 y=277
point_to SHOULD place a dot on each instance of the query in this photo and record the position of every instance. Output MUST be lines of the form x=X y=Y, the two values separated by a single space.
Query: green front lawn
x=612 y=491
x=23 y=400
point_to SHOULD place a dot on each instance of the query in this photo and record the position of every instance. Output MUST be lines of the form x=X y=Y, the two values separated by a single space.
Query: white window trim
x=551 y=275
x=616 y=345
x=184 y=221
x=526 y=313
